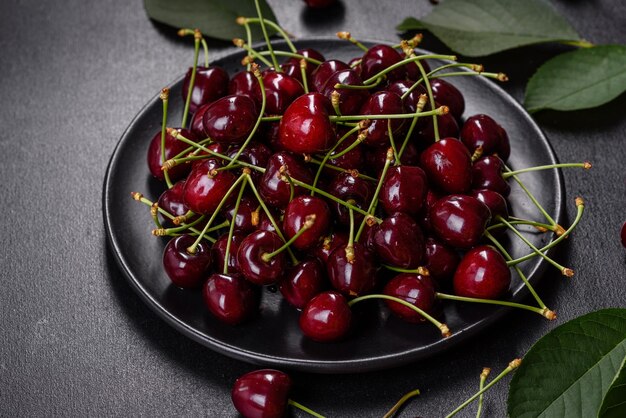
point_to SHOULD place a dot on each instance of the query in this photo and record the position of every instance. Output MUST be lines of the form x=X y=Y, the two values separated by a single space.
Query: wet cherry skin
x=487 y=174
x=352 y=277
x=185 y=269
x=173 y=147
x=327 y=317
x=230 y=298
x=296 y=214
x=482 y=273
x=302 y=282
x=171 y=201
x=274 y=191
x=448 y=95
x=448 y=165
x=204 y=190
x=440 y=261
x=404 y=190
x=321 y=75
x=482 y=131
x=328 y=245
x=378 y=58
x=347 y=187
x=350 y=100
x=247 y=218
x=414 y=288
x=495 y=202
x=210 y=84
x=251 y=263
x=399 y=241
x=382 y=103
x=262 y=394
x=243 y=83
x=230 y=120
x=305 y=127
x=459 y=220
x=280 y=91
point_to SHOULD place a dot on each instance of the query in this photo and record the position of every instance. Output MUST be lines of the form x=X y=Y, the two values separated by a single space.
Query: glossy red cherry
x=412 y=71
x=214 y=147
x=378 y=58
x=328 y=245
x=350 y=100
x=305 y=127
x=292 y=68
x=448 y=95
x=302 y=282
x=230 y=119
x=197 y=122
x=173 y=147
x=440 y=261
x=319 y=4
x=250 y=258
x=321 y=75
x=382 y=103
x=296 y=214
x=280 y=91
x=352 y=160
x=459 y=221
x=230 y=298
x=172 y=201
x=399 y=241
x=352 y=273
x=350 y=188
x=416 y=289
x=327 y=317
x=255 y=153
x=401 y=87
x=205 y=189
x=404 y=190
x=308 y=53
x=210 y=84
x=262 y=394
x=375 y=158
x=424 y=217
x=447 y=125
x=494 y=201
x=247 y=218
x=185 y=269
x=482 y=273
x=448 y=165
x=218 y=251
x=274 y=190
x=487 y=174
x=482 y=131
x=244 y=83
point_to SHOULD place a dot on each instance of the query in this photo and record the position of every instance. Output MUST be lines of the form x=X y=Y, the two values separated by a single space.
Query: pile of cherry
x=336 y=182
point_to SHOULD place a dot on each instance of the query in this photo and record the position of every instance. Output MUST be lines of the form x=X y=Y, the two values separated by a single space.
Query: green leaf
x=614 y=403
x=215 y=18
x=568 y=371
x=482 y=27
x=579 y=79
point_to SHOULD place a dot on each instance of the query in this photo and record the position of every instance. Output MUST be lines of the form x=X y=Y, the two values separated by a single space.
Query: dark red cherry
x=440 y=261
x=350 y=188
x=274 y=190
x=280 y=91
x=218 y=251
x=321 y=75
x=230 y=119
x=262 y=394
x=382 y=103
x=255 y=153
x=302 y=282
x=448 y=95
x=424 y=216
x=416 y=289
x=243 y=83
x=327 y=317
x=230 y=298
x=172 y=201
x=378 y=58
x=401 y=87
x=495 y=202
x=173 y=147
x=399 y=241
x=296 y=214
x=247 y=218
x=328 y=245
x=265 y=224
x=487 y=174
x=352 y=273
x=482 y=131
x=350 y=100
x=185 y=269
x=404 y=190
x=375 y=158
x=205 y=188
x=308 y=53
x=447 y=125
x=250 y=258
x=210 y=84
x=412 y=71
x=459 y=221
x=448 y=165
x=482 y=273
x=305 y=127
x=352 y=160
x=319 y=4
x=291 y=67
x=197 y=121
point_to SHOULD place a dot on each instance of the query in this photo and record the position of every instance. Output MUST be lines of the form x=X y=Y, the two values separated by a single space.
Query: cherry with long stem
x=545 y=312
x=164 y=96
x=192 y=80
x=232 y=225
x=347 y=36
x=483 y=377
x=270 y=48
x=401 y=402
x=185 y=32
x=271 y=24
x=308 y=223
x=586 y=165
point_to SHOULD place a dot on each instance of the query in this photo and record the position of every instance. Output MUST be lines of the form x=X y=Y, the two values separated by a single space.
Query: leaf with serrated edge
x=215 y=18
x=578 y=79
x=568 y=371
x=483 y=27
x=614 y=403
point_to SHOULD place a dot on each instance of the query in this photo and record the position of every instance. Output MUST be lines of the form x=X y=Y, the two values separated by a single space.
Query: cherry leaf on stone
x=482 y=27
x=613 y=404
x=568 y=372
x=580 y=79
x=215 y=18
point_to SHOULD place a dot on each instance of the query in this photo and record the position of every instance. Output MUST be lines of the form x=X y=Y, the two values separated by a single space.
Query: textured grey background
x=76 y=341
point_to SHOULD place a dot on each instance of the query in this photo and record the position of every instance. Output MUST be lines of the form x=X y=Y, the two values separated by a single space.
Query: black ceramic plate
x=273 y=337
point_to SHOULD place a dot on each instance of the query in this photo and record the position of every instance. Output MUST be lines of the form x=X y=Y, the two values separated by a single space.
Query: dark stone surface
x=76 y=340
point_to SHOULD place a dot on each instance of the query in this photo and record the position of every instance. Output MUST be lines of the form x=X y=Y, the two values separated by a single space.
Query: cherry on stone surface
x=382 y=103
x=482 y=131
x=296 y=214
x=210 y=84
x=250 y=258
x=302 y=282
x=218 y=251
x=482 y=273
x=352 y=273
x=399 y=241
x=305 y=127
x=280 y=91
x=416 y=289
x=380 y=57
x=230 y=298
x=448 y=95
x=173 y=147
x=205 y=189
x=262 y=394
x=273 y=189
x=230 y=119
x=487 y=174
x=459 y=220
x=350 y=188
x=185 y=269
x=448 y=165
x=440 y=261
x=322 y=73
x=404 y=190
x=327 y=317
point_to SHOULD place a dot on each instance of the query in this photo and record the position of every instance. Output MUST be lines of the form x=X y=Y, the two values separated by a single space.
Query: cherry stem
x=154 y=212
x=497 y=76
x=178 y=230
x=294 y=260
x=249 y=38
x=350 y=245
x=546 y=313
x=445 y=331
x=401 y=402
x=379 y=186
x=580 y=205
x=308 y=223
x=165 y=94
x=328 y=154
x=532 y=198
x=420 y=106
x=185 y=31
x=292 y=55
x=420 y=270
x=521 y=274
x=564 y=270
x=443 y=67
x=347 y=36
x=360 y=138
x=541 y=227
x=253 y=53
x=192 y=248
x=284 y=172
x=353 y=172
x=431 y=98
x=267 y=38
x=441 y=110
x=274 y=26
x=396 y=156
x=512 y=366
x=304 y=408
x=305 y=83
x=192 y=80
x=586 y=165
x=359 y=87
x=483 y=377
x=232 y=227
x=410 y=59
